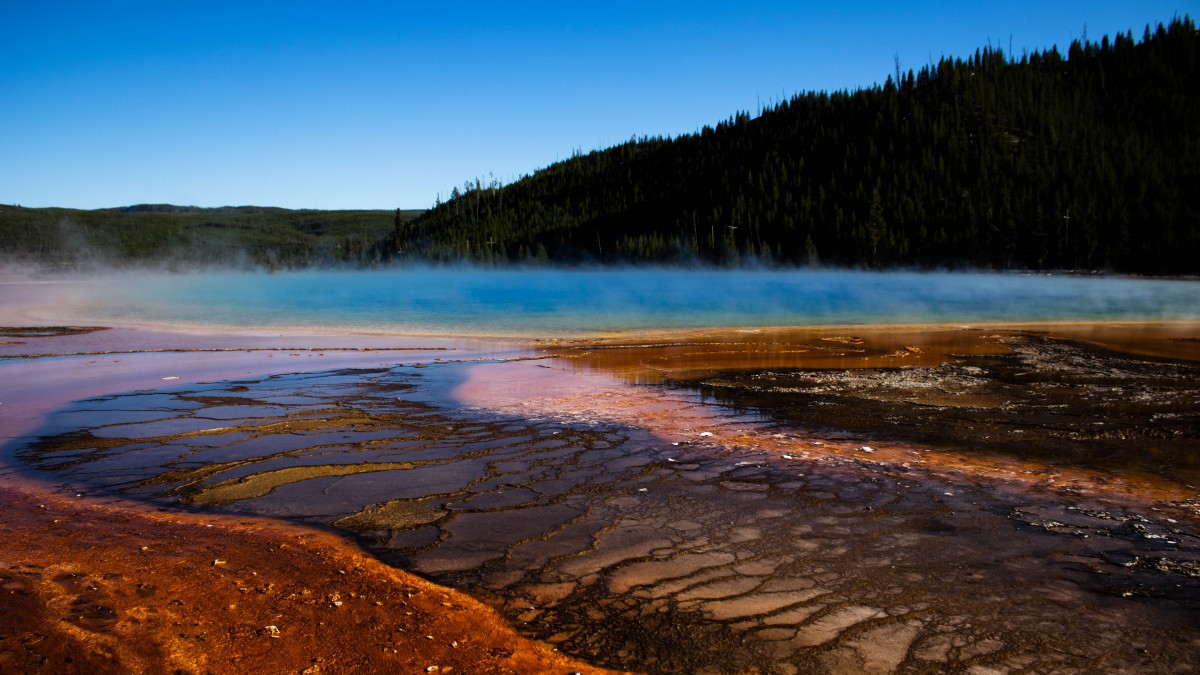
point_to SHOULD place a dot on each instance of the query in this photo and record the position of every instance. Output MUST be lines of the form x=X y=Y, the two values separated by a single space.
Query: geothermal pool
x=541 y=303
x=831 y=498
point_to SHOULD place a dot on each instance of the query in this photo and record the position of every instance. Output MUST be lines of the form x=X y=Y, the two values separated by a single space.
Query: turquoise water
x=541 y=302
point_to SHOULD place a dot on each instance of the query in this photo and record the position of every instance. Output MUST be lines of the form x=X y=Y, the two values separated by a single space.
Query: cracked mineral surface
x=1028 y=504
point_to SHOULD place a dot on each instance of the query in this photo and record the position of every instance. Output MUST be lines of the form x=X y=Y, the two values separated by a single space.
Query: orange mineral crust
x=686 y=354
x=103 y=586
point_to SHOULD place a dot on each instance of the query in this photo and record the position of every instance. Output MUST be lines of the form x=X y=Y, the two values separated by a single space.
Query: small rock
x=218 y=561
x=271 y=631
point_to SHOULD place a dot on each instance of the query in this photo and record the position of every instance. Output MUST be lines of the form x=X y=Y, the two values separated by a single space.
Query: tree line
x=1088 y=160
x=1047 y=161
x=183 y=237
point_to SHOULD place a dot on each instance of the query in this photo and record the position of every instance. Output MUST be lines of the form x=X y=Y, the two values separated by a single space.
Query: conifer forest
x=1087 y=160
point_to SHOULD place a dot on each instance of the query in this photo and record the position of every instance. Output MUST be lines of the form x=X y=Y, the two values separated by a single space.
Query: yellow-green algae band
x=397 y=514
x=259 y=484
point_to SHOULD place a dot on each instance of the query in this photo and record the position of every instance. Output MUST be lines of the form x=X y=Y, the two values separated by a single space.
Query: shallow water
x=648 y=528
x=548 y=302
x=644 y=529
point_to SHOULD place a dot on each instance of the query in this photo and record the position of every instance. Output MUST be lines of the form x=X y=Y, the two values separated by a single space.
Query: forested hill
x=184 y=237
x=1083 y=160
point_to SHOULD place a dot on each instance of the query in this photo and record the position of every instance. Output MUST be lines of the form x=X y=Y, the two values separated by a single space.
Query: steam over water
x=532 y=302
x=910 y=499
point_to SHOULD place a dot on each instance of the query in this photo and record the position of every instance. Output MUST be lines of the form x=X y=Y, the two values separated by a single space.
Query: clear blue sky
x=387 y=104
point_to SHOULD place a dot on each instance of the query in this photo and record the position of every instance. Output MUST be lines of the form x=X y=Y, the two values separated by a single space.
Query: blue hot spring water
x=556 y=302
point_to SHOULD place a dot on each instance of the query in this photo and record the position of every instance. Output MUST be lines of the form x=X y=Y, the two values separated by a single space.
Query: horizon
x=301 y=108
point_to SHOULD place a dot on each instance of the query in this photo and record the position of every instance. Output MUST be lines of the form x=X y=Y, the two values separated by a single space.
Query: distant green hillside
x=184 y=237
x=1083 y=160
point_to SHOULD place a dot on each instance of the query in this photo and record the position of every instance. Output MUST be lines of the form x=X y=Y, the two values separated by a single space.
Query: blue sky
x=384 y=105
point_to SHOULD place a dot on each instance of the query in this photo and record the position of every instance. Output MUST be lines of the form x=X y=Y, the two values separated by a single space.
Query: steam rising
x=476 y=301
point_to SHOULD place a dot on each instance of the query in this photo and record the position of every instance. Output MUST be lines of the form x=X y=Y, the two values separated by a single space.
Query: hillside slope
x=1079 y=161
x=189 y=237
